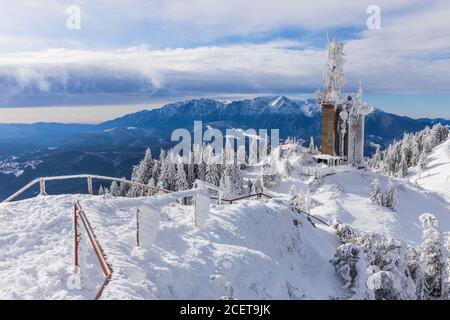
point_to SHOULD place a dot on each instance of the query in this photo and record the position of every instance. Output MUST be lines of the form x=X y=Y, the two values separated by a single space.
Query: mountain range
x=113 y=147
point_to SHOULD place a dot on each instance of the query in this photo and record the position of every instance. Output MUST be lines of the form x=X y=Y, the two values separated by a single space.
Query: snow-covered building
x=342 y=117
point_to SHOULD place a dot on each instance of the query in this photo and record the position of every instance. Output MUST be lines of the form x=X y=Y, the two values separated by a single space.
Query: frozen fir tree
x=351 y=267
x=227 y=185
x=181 y=179
x=147 y=166
x=151 y=184
x=191 y=170
x=257 y=186
x=241 y=157
x=253 y=157
x=171 y=171
x=376 y=195
x=390 y=197
x=415 y=271
x=114 y=189
x=264 y=148
x=136 y=176
x=123 y=188
x=288 y=168
x=423 y=160
x=101 y=191
x=163 y=179
x=230 y=156
x=213 y=173
x=156 y=170
x=312 y=146
x=233 y=177
x=433 y=259
x=403 y=168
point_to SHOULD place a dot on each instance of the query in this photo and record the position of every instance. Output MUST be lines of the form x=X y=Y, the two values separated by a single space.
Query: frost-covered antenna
x=359 y=95
x=362 y=108
x=333 y=74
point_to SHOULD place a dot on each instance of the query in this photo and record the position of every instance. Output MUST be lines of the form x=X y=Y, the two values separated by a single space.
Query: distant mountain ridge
x=113 y=147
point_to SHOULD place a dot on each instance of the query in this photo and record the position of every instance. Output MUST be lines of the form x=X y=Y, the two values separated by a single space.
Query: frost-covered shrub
x=413 y=264
x=351 y=268
x=433 y=259
x=376 y=195
x=345 y=233
x=394 y=270
x=382 y=263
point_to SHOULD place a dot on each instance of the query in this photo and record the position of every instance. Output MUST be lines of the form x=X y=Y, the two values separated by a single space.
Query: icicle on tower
x=342 y=118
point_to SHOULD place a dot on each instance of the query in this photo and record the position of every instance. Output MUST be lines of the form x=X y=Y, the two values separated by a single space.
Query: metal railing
x=78 y=213
x=254 y=195
x=89 y=177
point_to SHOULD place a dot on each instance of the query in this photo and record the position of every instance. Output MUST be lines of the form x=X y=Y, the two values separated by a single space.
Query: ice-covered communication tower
x=342 y=118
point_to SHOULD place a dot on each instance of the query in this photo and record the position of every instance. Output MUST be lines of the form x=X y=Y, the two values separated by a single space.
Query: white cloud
x=410 y=53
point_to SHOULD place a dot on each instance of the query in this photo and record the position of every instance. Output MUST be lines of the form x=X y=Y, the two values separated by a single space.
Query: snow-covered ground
x=238 y=248
x=437 y=177
x=252 y=249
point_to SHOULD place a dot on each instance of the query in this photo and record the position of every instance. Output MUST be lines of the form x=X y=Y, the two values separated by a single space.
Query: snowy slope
x=239 y=248
x=346 y=196
x=436 y=177
x=254 y=248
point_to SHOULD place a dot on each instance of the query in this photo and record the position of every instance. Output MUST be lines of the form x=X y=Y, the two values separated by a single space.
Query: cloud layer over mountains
x=172 y=48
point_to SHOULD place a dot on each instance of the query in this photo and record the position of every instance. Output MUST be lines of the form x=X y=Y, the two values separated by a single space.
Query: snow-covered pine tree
x=156 y=170
x=389 y=255
x=433 y=259
x=390 y=197
x=181 y=178
x=415 y=156
x=213 y=174
x=257 y=186
x=406 y=148
x=253 y=157
x=351 y=267
x=163 y=181
x=312 y=146
x=264 y=151
x=114 y=189
x=423 y=160
x=123 y=188
x=227 y=186
x=151 y=183
x=376 y=195
x=288 y=168
x=241 y=157
x=403 y=168
x=171 y=171
x=101 y=191
x=238 y=180
x=136 y=176
x=233 y=181
x=415 y=271
x=191 y=170
x=230 y=157
x=147 y=166
x=270 y=173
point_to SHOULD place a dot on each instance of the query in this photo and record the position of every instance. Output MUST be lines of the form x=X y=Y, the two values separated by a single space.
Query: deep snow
x=253 y=249
x=238 y=248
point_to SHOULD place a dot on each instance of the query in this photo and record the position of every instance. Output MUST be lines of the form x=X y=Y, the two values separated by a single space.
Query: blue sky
x=130 y=54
